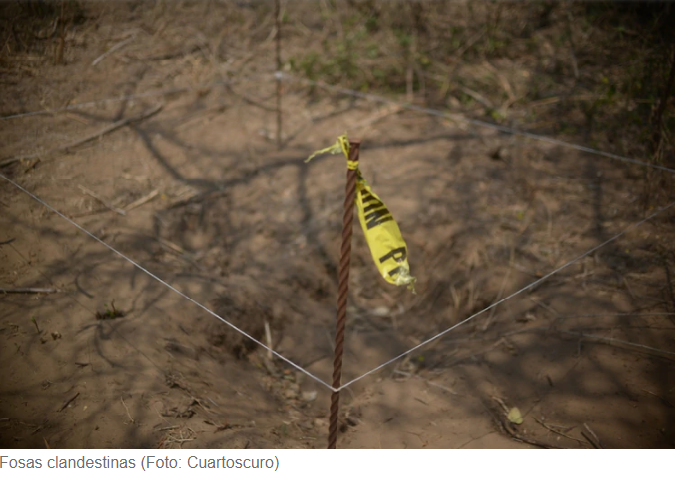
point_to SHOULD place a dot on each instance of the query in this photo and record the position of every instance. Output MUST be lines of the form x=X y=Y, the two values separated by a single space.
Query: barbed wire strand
x=135 y=264
x=464 y=119
x=495 y=304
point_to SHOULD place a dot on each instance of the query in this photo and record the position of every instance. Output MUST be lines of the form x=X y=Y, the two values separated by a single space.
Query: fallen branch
x=250 y=100
x=108 y=129
x=645 y=349
x=658 y=116
x=29 y=290
x=139 y=202
x=168 y=56
x=667 y=402
x=471 y=42
x=173 y=427
x=68 y=402
x=377 y=117
x=268 y=337
x=89 y=213
x=506 y=426
x=199 y=115
x=91 y=193
x=591 y=437
x=550 y=428
x=113 y=49
x=428 y=382
x=477 y=96
x=670 y=285
x=68 y=147
x=611 y=341
x=127 y=409
x=442 y=387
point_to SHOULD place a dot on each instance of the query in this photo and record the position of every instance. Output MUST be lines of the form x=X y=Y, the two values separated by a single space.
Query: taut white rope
x=379 y=367
x=293 y=364
x=495 y=304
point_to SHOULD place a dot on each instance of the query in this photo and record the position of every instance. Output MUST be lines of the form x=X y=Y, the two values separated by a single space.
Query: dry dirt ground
x=587 y=356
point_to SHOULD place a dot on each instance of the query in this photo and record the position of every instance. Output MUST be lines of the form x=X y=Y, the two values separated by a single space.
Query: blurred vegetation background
x=599 y=70
x=600 y=73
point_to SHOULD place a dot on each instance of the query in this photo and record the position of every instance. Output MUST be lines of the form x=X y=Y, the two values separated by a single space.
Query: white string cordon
x=495 y=304
x=380 y=99
x=293 y=364
x=485 y=124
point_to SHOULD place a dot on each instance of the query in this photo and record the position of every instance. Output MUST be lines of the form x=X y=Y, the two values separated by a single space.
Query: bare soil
x=253 y=232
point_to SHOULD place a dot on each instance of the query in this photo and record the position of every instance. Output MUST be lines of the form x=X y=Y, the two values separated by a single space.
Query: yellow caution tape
x=383 y=236
x=341 y=145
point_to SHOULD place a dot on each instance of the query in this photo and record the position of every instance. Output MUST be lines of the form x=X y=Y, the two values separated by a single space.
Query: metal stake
x=343 y=286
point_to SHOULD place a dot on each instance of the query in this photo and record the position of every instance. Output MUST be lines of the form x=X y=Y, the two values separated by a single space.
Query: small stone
x=290 y=393
x=306 y=424
x=381 y=311
x=309 y=396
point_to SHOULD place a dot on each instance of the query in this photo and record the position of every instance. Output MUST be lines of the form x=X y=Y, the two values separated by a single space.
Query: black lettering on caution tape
x=379 y=215
x=399 y=255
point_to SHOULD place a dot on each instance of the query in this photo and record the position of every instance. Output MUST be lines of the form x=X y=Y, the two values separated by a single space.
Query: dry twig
x=248 y=99
x=268 y=338
x=29 y=290
x=591 y=437
x=507 y=426
x=139 y=202
x=611 y=341
x=667 y=402
x=68 y=147
x=113 y=49
x=548 y=427
x=68 y=402
x=127 y=409
x=107 y=204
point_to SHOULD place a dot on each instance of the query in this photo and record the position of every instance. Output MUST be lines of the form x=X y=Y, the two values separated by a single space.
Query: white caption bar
x=320 y=463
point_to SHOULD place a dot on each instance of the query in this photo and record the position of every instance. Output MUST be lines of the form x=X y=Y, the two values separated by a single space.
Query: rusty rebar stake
x=343 y=287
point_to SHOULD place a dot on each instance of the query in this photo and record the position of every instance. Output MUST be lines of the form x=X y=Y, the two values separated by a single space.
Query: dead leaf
x=514 y=416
